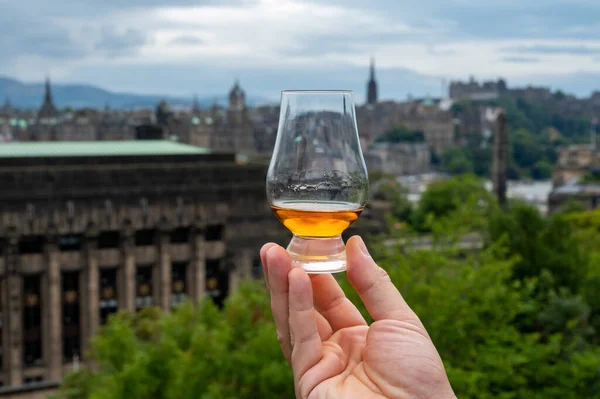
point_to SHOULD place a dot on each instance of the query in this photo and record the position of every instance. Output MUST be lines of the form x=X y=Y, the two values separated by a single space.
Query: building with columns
x=88 y=228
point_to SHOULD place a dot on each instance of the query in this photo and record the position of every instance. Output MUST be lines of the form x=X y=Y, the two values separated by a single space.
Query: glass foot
x=318 y=255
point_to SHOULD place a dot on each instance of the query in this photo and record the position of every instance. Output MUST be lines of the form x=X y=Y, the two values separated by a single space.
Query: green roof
x=96 y=148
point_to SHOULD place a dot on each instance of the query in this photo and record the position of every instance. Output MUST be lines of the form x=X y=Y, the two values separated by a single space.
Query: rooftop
x=97 y=148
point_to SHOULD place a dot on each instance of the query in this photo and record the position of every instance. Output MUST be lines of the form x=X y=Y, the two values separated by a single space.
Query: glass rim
x=317 y=92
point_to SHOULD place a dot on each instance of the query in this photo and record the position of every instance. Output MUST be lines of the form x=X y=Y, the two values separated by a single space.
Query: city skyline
x=182 y=47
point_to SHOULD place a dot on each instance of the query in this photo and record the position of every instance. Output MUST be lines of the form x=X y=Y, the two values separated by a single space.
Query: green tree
x=591 y=177
x=525 y=152
x=517 y=319
x=477 y=313
x=393 y=192
x=542 y=170
x=401 y=134
x=193 y=352
x=456 y=161
x=540 y=243
x=446 y=196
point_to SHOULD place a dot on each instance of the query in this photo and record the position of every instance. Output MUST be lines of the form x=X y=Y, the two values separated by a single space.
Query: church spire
x=48 y=110
x=372 y=85
x=48 y=91
x=196 y=105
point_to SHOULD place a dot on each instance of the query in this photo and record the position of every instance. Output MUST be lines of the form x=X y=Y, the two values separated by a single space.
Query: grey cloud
x=491 y=18
x=30 y=35
x=546 y=49
x=436 y=50
x=521 y=60
x=115 y=44
x=91 y=8
x=187 y=40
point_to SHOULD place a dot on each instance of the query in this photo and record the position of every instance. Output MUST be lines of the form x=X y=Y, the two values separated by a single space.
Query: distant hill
x=30 y=95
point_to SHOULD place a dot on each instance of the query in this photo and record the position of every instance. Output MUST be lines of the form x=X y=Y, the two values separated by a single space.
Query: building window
x=32 y=319
x=180 y=235
x=33 y=380
x=31 y=245
x=70 y=242
x=214 y=232
x=71 y=323
x=178 y=283
x=144 y=237
x=143 y=287
x=217 y=281
x=108 y=293
x=109 y=239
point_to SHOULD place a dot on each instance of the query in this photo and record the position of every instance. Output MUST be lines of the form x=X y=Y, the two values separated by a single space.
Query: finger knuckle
x=383 y=275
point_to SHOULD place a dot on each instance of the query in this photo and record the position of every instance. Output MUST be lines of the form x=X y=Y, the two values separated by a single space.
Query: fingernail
x=363 y=247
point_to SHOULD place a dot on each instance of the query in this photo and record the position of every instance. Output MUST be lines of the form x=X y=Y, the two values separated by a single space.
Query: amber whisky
x=316 y=219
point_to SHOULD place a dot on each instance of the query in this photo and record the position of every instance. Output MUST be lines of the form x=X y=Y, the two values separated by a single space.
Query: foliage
x=542 y=170
x=535 y=132
x=456 y=161
x=401 y=134
x=393 y=192
x=541 y=244
x=446 y=196
x=193 y=352
x=592 y=176
x=517 y=319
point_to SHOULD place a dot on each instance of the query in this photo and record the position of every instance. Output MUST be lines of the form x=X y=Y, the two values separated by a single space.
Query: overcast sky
x=182 y=47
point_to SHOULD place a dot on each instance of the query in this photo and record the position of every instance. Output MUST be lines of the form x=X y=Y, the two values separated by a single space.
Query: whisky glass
x=317 y=182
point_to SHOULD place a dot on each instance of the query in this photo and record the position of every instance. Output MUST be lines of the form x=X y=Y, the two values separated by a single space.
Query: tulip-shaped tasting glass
x=317 y=183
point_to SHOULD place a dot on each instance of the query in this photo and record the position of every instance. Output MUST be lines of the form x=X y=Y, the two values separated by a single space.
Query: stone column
x=198 y=264
x=52 y=336
x=13 y=347
x=128 y=275
x=90 y=311
x=500 y=157
x=232 y=262
x=5 y=319
x=163 y=270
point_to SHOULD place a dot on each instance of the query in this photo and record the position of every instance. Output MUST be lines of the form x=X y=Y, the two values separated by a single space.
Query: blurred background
x=134 y=142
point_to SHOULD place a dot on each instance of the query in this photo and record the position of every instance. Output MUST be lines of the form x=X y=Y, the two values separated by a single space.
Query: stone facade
x=425 y=116
x=573 y=162
x=223 y=129
x=82 y=237
x=474 y=91
x=399 y=158
x=585 y=195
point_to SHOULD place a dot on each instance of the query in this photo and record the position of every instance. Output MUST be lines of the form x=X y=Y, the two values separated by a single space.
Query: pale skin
x=333 y=352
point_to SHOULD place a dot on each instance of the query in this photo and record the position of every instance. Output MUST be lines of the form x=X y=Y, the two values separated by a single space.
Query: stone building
x=88 y=228
x=573 y=162
x=229 y=129
x=399 y=158
x=475 y=91
x=425 y=116
x=585 y=195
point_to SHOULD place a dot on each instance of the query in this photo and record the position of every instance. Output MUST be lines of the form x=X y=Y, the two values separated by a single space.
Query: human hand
x=332 y=351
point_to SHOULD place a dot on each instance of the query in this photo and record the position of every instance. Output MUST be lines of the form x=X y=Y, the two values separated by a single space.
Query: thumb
x=374 y=286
